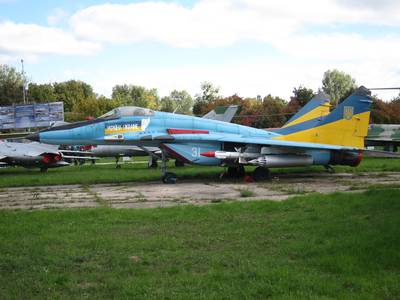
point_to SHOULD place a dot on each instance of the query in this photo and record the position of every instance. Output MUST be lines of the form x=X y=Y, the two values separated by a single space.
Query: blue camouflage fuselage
x=184 y=137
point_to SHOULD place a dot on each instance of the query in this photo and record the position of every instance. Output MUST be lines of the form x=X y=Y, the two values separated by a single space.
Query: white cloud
x=284 y=24
x=219 y=23
x=35 y=40
x=57 y=16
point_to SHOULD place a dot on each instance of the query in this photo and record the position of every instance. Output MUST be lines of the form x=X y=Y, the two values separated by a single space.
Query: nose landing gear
x=166 y=177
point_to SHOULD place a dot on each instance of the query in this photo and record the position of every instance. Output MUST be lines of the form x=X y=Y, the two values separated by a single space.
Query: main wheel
x=236 y=172
x=261 y=174
x=169 y=178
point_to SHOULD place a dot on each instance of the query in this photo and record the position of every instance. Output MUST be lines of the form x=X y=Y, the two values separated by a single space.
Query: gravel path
x=156 y=194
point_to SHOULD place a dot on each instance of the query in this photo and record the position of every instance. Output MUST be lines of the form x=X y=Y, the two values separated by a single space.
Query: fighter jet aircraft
x=386 y=135
x=35 y=155
x=220 y=113
x=335 y=139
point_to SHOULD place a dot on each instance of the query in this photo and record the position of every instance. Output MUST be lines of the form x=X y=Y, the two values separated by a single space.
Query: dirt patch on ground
x=155 y=194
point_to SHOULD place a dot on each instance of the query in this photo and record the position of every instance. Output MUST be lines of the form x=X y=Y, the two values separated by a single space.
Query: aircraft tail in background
x=222 y=113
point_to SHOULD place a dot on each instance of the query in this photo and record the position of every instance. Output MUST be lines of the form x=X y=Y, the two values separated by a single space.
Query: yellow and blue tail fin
x=316 y=108
x=346 y=125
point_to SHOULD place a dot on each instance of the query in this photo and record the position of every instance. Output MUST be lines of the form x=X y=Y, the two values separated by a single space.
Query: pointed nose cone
x=34 y=137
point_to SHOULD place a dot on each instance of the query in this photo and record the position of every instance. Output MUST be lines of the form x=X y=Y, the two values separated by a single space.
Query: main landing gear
x=166 y=177
x=261 y=174
x=237 y=172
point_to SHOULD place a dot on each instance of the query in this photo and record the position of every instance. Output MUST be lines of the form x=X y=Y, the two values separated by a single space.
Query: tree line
x=81 y=102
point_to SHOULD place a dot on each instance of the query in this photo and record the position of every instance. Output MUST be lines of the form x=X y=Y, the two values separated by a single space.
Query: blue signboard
x=31 y=115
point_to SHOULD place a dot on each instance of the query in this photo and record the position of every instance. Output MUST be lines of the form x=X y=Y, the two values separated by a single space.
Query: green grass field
x=88 y=174
x=340 y=246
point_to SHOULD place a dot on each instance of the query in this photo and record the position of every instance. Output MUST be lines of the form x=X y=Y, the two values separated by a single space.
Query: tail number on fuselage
x=196 y=152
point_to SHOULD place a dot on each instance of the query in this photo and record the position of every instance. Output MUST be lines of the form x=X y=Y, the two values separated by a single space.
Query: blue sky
x=248 y=47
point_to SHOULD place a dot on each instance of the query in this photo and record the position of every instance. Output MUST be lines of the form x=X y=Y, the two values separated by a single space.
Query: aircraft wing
x=260 y=141
x=80 y=157
x=75 y=152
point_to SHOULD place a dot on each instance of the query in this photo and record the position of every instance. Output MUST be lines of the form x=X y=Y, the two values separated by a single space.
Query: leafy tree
x=303 y=95
x=273 y=112
x=167 y=104
x=184 y=102
x=41 y=93
x=338 y=85
x=121 y=93
x=136 y=95
x=11 y=84
x=73 y=92
x=209 y=93
x=180 y=101
x=105 y=104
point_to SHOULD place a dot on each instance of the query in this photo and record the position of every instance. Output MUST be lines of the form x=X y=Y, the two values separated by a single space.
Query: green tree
x=184 y=102
x=338 y=85
x=121 y=93
x=11 y=84
x=209 y=93
x=303 y=95
x=73 y=92
x=136 y=95
x=167 y=104
x=41 y=93
x=180 y=101
x=105 y=104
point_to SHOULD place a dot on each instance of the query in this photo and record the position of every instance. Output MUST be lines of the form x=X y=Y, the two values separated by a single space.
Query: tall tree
x=180 y=101
x=121 y=93
x=209 y=93
x=41 y=93
x=338 y=85
x=303 y=95
x=11 y=84
x=136 y=95
x=72 y=92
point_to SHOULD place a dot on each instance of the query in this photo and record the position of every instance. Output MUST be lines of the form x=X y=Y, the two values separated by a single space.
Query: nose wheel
x=169 y=178
x=166 y=177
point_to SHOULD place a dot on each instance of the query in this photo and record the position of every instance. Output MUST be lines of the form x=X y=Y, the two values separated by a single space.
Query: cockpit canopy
x=128 y=111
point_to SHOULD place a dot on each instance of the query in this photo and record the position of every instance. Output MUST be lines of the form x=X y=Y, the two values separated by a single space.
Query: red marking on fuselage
x=208 y=154
x=186 y=131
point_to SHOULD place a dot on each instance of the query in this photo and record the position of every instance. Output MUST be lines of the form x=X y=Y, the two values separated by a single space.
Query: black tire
x=261 y=174
x=169 y=178
x=236 y=172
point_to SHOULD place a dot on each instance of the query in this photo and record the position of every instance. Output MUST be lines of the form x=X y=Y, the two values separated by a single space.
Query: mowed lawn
x=342 y=246
x=90 y=174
